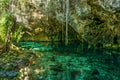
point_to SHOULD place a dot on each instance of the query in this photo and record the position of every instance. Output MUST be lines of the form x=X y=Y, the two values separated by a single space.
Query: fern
x=5 y=23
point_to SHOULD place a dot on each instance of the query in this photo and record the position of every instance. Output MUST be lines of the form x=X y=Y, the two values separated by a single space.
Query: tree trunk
x=8 y=38
x=8 y=41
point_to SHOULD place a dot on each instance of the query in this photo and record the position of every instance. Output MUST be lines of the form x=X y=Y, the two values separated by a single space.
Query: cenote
x=59 y=39
x=58 y=62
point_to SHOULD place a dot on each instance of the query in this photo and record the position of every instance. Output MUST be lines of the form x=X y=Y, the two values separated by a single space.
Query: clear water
x=72 y=62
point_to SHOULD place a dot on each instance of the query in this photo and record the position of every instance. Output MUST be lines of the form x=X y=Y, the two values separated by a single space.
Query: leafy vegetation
x=46 y=39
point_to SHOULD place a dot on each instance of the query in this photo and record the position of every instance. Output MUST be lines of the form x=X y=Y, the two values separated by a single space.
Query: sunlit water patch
x=51 y=63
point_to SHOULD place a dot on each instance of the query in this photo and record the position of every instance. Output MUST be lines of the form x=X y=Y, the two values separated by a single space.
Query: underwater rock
x=8 y=74
x=95 y=72
x=57 y=67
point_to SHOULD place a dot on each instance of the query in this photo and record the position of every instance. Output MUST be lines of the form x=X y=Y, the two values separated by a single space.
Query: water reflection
x=74 y=62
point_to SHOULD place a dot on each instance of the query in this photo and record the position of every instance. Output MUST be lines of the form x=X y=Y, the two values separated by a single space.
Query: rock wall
x=94 y=21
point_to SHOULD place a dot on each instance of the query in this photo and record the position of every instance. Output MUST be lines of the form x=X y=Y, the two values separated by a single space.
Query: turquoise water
x=72 y=62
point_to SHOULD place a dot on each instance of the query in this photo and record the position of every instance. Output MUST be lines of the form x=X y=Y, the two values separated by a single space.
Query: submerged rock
x=74 y=67
x=8 y=74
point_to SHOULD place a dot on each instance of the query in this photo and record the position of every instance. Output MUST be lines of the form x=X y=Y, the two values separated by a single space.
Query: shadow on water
x=75 y=61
